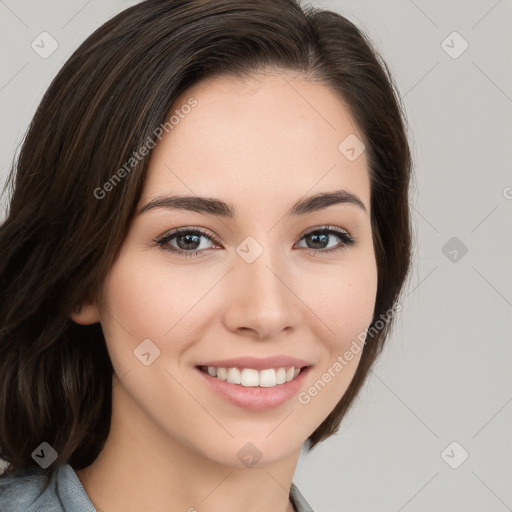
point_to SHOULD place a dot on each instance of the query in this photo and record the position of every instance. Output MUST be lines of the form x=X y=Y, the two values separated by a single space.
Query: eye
x=187 y=241
x=318 y=238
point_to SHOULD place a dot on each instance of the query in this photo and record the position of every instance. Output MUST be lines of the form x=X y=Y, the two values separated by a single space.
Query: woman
x=206 y=240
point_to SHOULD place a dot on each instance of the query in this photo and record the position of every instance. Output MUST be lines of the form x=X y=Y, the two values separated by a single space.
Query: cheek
x=343 y=300
x=132 y=310
x=144 y=299
x=148 y=298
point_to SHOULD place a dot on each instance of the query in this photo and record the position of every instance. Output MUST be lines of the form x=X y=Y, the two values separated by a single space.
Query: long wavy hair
x=59 y=241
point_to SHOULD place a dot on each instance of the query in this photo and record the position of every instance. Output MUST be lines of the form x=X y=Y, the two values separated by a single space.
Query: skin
x=261 y=144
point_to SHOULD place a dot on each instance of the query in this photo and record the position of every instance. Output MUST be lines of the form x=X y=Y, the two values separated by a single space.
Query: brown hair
x=58 y=241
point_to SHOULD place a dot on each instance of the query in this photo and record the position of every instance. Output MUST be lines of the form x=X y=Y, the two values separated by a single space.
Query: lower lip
x=256 y=398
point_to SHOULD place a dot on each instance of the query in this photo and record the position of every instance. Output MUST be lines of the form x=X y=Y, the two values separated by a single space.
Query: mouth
x=251 y=377
x=254 y=389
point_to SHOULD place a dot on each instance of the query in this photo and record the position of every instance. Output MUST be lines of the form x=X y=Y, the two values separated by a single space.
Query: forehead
x=273 y=134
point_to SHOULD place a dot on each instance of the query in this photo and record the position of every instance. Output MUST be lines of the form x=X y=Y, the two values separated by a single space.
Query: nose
x=262 y=303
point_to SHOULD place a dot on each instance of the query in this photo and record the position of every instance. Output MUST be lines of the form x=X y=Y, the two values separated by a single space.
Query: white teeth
x=233 y=375
x=268 y=378
x=281 y=376
x=250 y=377
x=222 y=373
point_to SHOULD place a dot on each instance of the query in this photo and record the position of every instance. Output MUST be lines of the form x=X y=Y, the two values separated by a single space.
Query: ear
x=86 y=313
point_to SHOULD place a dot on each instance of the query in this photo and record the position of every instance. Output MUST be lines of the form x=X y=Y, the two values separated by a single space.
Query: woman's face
x=254 y=284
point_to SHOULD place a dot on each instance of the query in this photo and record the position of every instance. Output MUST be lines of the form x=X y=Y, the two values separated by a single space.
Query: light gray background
x=445 y=374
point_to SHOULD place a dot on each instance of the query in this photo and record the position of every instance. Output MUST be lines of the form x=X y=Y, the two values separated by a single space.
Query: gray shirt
x=26 y=492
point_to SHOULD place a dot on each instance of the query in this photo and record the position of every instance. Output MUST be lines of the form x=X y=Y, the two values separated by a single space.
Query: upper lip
x=256 y=363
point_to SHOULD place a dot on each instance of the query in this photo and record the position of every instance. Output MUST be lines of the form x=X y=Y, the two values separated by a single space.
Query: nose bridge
x=263 y=275
x=261 y=299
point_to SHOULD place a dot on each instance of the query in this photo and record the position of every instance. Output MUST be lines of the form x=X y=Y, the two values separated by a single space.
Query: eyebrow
x=212 y=206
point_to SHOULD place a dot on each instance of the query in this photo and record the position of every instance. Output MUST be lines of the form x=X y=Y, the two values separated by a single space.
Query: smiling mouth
x=249 y=377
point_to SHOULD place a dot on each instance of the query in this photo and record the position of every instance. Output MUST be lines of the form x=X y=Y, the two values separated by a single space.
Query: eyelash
x=346 y=240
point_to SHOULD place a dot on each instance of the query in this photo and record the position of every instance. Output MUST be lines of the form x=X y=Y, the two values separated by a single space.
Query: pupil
x=188 y=237
x=315 y=236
